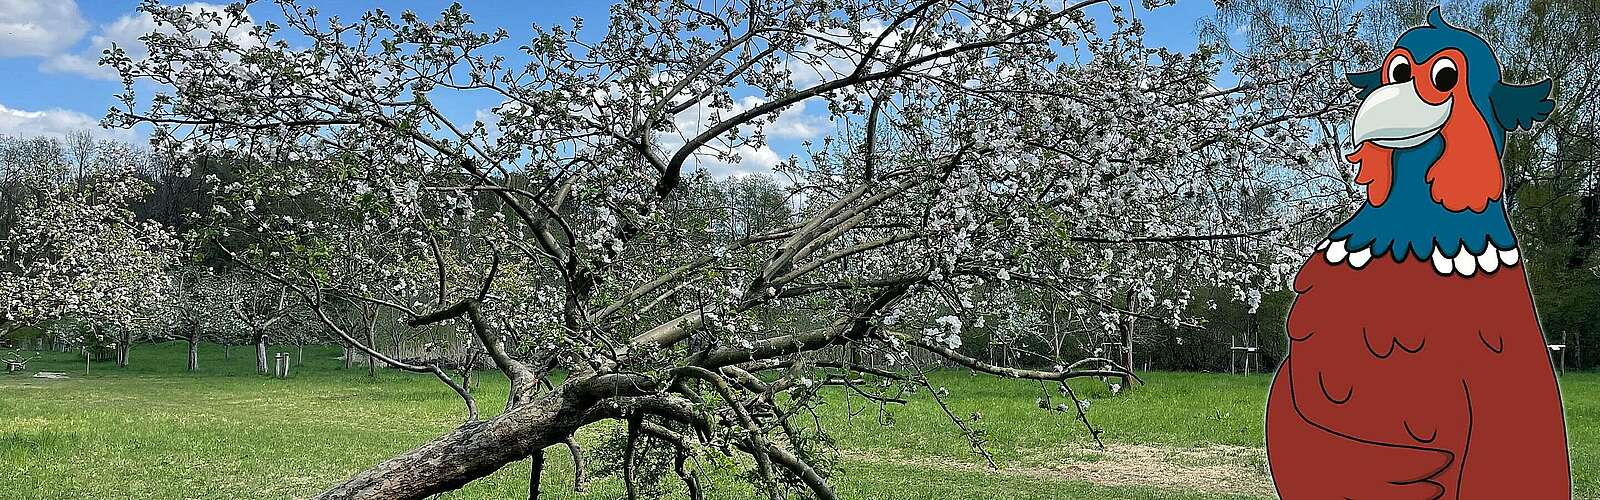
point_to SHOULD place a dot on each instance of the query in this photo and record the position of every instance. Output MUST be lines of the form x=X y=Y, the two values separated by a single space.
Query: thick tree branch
x=975 y=364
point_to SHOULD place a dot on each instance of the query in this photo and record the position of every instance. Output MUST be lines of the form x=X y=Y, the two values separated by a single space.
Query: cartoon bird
x=1416 y=367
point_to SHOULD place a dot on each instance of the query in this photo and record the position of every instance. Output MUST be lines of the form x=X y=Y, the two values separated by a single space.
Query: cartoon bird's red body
x=1430 y=386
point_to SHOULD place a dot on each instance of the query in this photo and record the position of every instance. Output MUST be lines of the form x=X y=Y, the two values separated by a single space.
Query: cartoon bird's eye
x=1445 y=75
x=1399 y=70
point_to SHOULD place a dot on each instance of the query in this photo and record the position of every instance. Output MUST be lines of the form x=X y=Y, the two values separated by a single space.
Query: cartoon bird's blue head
x=1429 y=135
x=1442 y=61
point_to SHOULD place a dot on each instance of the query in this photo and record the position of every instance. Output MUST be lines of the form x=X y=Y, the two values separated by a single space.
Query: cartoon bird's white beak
x=1395 y=117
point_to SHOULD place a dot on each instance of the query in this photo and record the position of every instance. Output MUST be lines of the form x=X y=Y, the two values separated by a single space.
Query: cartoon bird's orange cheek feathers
x=1377 y=171
x=1467 y=176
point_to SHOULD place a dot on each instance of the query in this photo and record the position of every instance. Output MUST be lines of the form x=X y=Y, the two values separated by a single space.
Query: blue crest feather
x=1365 y=82
x=1436 y=19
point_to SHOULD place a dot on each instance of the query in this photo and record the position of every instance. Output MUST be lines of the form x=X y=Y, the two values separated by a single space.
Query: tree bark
x=261 y=354
x=580 y=482
x=629 y=474
x=372 y=363
x=1127 y=338
x=477 y=449
x=123 y=344
x=536 y=462
x=194 y=349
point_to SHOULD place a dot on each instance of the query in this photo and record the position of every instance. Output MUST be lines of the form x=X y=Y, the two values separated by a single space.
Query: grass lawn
x=154 y=431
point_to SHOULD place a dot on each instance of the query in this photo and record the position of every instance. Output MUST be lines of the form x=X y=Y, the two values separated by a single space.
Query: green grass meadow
x=155 y=431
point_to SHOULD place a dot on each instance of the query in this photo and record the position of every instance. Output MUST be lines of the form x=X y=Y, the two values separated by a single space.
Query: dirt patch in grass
x=1216 y=469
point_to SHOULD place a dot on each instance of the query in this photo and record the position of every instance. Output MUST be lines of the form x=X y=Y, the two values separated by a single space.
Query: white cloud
x=794 y=123
x=79 y=64
x=751 y=161
x=829 y=62
x=125 y=32
x=489 y=118
x=54 y=122
x=39 y=27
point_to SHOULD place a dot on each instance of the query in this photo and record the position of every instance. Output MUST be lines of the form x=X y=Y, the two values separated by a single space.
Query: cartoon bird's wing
x=1520 y=106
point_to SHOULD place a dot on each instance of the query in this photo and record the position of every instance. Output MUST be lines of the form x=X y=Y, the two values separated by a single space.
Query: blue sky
x=48 y=51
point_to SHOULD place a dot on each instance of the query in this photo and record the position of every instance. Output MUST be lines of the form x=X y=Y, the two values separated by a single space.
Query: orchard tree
x=974 y=147
x=199 y=307
x=258 y=309
x=71 y=247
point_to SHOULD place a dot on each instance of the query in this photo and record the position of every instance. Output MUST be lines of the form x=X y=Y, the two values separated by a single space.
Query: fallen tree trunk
x=474 y=450
x=477 y=449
